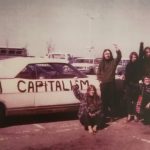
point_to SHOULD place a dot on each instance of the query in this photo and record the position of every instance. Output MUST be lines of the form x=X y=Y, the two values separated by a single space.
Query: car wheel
x=91 y=71
x=2 y=115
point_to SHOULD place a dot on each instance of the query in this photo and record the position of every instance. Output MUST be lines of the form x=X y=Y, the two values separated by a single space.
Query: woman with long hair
x=90 y=107
x=132 y=77
x=144 y=59
x=106 y=76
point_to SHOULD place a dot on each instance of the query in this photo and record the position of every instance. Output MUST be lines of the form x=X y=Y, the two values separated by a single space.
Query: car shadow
x=45 y=118
x=31 y=119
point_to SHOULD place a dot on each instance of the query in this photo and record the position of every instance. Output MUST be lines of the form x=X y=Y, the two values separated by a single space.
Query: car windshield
x=60 y=56
x=84 y=61
x=49 y=71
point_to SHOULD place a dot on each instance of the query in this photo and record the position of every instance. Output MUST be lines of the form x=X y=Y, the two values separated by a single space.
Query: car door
x=54 y=87
x=18 y=92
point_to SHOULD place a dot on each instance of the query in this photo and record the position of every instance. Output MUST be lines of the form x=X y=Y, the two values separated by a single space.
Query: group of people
x=137 y=85
x=94 y=110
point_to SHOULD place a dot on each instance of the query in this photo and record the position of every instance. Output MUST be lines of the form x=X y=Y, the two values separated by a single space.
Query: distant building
x=12 y=52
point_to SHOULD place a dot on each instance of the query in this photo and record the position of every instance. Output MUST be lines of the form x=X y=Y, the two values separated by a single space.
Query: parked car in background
x=87 y=65
x=120 y=70
x=39 y=85
x=97 y=61
x=58 y=55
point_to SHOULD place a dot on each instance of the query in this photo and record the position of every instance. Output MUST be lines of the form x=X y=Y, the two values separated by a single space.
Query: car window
x=66 y=71
x=27 y=73
x=84 y=61
x=49 y=71
x=45 y=71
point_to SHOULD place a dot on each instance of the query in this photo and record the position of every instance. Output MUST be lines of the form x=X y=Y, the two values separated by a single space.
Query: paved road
x=68 y=134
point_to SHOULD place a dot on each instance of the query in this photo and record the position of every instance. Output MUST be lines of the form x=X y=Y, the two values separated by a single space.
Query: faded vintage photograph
x=74 y=74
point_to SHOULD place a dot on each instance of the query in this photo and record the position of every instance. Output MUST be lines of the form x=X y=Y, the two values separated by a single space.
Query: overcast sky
x=74 y=25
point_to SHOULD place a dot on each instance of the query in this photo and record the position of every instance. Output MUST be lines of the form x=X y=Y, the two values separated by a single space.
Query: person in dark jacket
x=145 y=105
x=132 y=77
x=106 y=76
x=144 y=58
x=90 y=108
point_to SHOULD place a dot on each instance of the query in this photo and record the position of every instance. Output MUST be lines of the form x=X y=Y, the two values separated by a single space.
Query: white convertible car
x=38 y=85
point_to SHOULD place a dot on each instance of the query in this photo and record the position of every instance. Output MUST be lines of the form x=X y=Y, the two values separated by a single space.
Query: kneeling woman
x=90 y=108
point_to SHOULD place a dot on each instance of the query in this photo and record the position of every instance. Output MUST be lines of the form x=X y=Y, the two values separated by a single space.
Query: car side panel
x=13 y=96
x=58 y=92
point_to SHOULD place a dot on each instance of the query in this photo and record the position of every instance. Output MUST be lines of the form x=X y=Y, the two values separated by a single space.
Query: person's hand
x=141 y=44
x=123 y=77
x=147 y=106
x=75 y=80
x=116 y=47
x=140 y=82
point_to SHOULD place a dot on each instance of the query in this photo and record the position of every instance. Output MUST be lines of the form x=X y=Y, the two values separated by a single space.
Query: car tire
x=91 y=71
x=2 y=115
